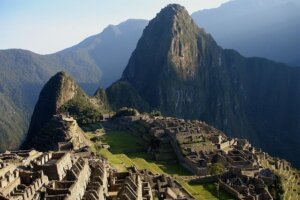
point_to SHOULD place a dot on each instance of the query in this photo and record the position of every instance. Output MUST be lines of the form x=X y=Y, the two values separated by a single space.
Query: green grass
x=113 y=159
x=126 y=161
x=122 y=142
x=172 y=169
x=209 y=191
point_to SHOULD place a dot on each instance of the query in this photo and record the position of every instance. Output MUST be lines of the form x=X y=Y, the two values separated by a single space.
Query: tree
x=126 y=112
x=216 y=169
x=156 y=113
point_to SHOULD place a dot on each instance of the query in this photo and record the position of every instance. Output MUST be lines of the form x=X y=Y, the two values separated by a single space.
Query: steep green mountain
x=98 y=60
x=61 y=95
x=180 y=70
x=11 y=121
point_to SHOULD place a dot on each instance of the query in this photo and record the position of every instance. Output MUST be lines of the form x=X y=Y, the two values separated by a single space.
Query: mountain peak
x=61 y=74
x=62 y=87
x=57 y=91
x=174 y=8
x=173 y=12
x=171 y=42
x=172 y=47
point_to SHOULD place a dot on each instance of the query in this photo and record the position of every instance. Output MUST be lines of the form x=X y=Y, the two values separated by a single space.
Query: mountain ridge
x=252 y=26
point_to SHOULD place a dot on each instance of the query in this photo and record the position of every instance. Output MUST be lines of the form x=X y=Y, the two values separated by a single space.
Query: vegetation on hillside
x=122 y=94
x=216 y=169
x=82 y=110
x=276 y=189
x=11 y=134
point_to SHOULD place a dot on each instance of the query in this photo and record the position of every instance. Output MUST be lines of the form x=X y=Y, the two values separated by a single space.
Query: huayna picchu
x=148 y=137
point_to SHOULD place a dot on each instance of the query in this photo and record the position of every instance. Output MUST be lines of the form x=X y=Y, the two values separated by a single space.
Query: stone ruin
x=244 y=187
x=27 y=175
x=61 y=133
x=198 y=145
x=144 y=185
x=52 y=175
x=187 y=137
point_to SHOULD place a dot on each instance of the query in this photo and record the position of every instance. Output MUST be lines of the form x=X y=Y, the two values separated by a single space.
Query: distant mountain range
x=179 y=69
x=264 y=28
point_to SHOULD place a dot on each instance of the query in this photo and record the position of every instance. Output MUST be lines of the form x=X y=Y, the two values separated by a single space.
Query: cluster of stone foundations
x=197 y=146
x=26 y=175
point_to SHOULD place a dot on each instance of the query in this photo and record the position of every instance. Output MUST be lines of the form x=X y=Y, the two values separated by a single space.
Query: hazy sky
x=46 y=26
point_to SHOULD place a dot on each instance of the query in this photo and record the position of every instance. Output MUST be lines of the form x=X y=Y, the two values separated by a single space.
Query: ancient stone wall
x=54 y=165
x=230 y=190
x=9 y=182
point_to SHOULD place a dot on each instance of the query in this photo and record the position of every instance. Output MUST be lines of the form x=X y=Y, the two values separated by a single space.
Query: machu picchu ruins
x=76 y=170
x=69 y=163
x=197 y=146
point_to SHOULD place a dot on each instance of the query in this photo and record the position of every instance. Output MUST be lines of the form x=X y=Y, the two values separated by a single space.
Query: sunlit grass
x=121 y=142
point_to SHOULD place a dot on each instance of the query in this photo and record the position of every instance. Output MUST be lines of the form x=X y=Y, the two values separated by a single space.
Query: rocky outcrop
x=59 y=133
x=57 y=91
x=60 y=95
x=180 y=70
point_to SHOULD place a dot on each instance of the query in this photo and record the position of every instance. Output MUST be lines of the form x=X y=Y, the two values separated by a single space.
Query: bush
x=216 y=169
x=156 y=113
x=126 y=112
x=276 y=188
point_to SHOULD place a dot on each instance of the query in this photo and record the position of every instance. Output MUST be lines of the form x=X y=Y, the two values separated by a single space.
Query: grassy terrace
x=122 y=154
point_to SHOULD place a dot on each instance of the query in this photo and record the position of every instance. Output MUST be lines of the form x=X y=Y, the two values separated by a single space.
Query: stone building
x=244 y=187
x=52 y=175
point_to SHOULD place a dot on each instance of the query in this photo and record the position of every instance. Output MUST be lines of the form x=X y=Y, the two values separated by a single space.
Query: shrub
x=126 y=112
x=156 y=113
